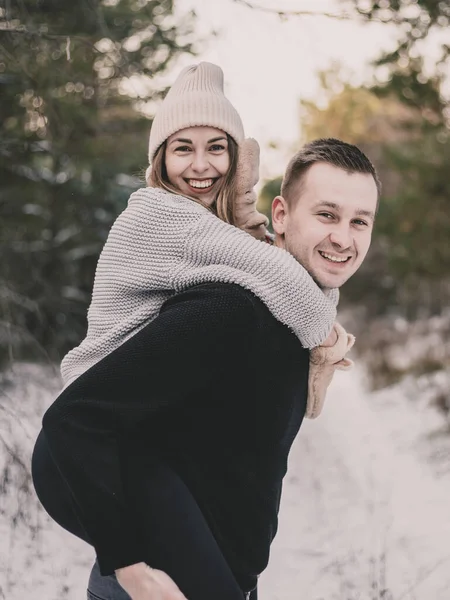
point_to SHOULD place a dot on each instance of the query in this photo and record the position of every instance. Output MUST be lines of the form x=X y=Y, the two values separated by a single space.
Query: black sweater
x=216 y=387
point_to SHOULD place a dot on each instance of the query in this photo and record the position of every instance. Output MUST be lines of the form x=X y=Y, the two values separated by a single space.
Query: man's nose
x=341 y=236
x=200 y=162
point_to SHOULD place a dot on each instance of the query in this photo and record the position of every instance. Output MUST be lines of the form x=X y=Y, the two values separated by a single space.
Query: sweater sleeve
x=189 y=345
x=216 y=251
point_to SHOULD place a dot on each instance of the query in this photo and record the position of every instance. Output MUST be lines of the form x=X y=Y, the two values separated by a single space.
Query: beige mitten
x=323 y=362
x=247 y=175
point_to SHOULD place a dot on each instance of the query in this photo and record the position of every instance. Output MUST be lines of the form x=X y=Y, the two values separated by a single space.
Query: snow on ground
x=38 y=559
x=364 y=515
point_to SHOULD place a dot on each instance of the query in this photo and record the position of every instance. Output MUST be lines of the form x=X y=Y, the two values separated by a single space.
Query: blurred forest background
x=79 y=82
x=73 y=144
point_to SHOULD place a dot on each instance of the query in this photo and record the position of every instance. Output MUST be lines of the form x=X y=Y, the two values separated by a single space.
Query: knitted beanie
x=196 y=98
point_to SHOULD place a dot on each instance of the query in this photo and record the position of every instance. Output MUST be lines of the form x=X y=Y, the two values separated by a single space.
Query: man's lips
x=335 y=259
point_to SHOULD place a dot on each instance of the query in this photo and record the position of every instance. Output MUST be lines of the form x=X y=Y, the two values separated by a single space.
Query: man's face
x=328 y=226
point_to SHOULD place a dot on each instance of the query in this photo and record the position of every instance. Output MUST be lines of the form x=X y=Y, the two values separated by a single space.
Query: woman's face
x=196 y=160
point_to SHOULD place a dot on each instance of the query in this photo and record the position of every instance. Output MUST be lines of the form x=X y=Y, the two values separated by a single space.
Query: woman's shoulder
x=162 y=201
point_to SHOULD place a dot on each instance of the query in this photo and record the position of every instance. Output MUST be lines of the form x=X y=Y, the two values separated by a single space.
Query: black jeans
x=180 y=541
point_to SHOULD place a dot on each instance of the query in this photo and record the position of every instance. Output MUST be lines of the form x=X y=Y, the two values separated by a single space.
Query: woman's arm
x=216 y=251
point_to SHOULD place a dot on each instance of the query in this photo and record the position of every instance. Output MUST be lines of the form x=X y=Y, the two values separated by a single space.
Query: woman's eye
x=182 y=149
x=217 y=148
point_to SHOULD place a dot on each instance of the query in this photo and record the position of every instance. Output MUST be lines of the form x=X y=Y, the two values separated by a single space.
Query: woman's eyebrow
x=183 y=140
x=187 y=141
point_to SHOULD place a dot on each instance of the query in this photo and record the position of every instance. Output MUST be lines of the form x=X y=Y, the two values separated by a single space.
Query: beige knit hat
x=196 y=98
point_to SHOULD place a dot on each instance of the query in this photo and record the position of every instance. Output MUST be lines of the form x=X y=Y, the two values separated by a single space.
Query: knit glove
x=323 y=362
x=247 y=175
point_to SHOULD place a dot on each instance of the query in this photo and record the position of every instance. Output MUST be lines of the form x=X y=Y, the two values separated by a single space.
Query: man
x=328 y=232
x=185 y=446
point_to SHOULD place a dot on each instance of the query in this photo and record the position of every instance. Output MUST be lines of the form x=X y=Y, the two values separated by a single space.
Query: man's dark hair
x=328 y=150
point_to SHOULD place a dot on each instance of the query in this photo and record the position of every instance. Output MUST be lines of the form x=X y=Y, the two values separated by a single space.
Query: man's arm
x=199 y=335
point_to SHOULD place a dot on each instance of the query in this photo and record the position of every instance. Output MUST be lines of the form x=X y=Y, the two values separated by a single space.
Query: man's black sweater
x=216 y=387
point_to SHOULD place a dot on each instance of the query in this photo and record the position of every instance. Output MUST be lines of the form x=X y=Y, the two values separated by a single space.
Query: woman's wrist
x=331 y=339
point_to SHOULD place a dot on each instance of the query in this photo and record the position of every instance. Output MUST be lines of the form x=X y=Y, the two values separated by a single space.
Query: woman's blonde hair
x=224 y=203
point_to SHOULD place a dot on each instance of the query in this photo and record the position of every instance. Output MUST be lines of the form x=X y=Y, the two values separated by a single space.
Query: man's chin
x=328 y=282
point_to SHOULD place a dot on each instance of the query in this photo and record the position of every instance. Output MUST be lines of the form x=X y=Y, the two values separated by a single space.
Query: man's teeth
x=204 y=183
x=334 y=258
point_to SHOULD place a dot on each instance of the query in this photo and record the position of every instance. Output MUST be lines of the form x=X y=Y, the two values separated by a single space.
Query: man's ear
x=279 y=212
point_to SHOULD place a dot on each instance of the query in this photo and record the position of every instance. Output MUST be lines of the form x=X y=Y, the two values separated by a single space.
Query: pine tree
x=74 y=78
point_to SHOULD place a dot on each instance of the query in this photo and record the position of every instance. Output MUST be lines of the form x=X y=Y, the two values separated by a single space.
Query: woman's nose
x=200 y=162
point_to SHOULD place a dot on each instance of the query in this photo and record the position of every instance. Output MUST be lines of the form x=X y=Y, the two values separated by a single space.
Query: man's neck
x=278 y=241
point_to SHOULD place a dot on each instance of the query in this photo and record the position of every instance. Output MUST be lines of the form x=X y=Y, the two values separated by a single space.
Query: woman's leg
x=104 y=588
x=180 y=541
x=52 y=491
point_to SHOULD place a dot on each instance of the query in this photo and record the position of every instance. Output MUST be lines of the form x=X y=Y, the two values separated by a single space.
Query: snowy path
x=365 y=513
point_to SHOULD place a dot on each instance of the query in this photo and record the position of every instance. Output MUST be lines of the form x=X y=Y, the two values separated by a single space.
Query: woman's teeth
x=334 y=258
x=201 y=184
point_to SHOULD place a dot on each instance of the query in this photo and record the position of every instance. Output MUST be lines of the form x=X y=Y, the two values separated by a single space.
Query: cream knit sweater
x=162 y=244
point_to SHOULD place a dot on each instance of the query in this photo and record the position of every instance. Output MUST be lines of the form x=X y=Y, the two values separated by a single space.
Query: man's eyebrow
x=366 y=213
x=328 y=204
x=359 y=211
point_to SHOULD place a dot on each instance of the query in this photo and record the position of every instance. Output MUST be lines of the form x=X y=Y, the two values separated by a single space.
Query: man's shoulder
x=224 y=302
x=233 y=324
x=223 y=295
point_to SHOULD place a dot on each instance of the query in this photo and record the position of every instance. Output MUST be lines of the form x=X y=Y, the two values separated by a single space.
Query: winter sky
x=269 y=64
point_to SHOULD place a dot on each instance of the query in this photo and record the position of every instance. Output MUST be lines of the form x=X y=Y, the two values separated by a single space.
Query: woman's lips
x=201 y=186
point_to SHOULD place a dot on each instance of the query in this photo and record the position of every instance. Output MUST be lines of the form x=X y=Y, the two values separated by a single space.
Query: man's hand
x=143 y=583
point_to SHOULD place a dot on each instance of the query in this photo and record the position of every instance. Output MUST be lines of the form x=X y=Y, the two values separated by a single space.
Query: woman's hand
x=143 y=583
x=323 y=361
x=247 y=175
x=331 y=339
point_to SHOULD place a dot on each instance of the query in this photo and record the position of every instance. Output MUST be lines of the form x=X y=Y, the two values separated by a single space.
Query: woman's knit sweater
x=162 y=244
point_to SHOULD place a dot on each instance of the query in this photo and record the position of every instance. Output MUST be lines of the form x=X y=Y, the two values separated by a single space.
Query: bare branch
x=284 y=14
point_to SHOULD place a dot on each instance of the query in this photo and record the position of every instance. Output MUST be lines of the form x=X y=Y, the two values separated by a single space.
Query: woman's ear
x=279 y=211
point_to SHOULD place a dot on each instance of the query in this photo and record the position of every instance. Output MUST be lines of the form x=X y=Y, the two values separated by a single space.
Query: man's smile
x=335 y=258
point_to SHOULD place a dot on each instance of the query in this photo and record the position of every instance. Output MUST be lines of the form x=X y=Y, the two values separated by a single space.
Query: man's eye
x=326 y=215
x=360 y=222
